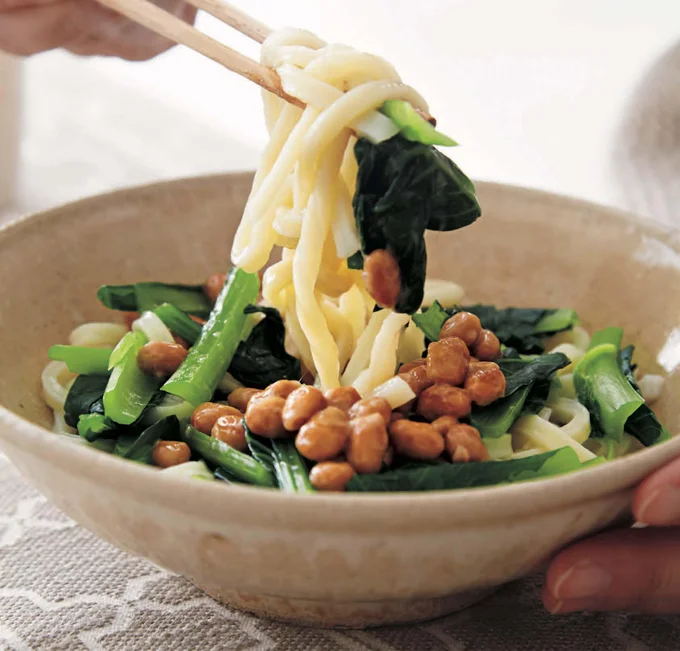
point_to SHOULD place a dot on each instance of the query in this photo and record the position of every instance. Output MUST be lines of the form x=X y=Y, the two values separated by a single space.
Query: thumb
x=657 y=499
x=634 y=570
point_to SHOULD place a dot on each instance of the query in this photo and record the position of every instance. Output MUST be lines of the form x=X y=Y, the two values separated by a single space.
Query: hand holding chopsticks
x=174 y=29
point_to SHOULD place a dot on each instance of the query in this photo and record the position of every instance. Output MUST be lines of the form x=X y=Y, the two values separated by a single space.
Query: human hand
x=82 y=27
x=634 y=570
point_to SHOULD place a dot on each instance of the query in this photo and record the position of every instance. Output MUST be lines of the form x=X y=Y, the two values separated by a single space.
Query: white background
x=536 y=91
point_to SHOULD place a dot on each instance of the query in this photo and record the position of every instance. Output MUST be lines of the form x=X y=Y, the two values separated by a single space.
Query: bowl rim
x=466 y=504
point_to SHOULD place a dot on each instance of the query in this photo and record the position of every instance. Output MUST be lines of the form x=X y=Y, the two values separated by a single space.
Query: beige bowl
x=331 y=560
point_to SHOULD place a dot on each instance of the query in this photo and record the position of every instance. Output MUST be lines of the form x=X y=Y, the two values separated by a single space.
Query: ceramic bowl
x=330 y=560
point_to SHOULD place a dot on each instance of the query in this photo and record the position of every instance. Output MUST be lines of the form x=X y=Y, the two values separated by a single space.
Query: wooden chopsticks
x=234 y=17
x=174 y=29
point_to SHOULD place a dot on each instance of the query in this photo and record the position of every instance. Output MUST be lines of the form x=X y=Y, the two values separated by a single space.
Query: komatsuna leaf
x=431 y=320
x=140 y=447
x=148 y=295
x=468 y=475
x=523 y=329
x=643 y=424
x=496 y=419
x=96 y=426
x=519 y=372
x=604 y=390
x=404 y=188
x=262 y=359
x=85 y=397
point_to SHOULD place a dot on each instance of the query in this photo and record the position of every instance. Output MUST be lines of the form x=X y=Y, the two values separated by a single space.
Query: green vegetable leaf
x=414 y=126
x=643 y=424
x=95 y=426
x=431 y=320
x=524 y=329
x=402 y=189
x=85 y=397
x=538 y=396
x=141 y=447
x=148 y=295
x=262 y=359
x=105 y=445
x=496 y=419
x=124 y=443
x=468 y=475
x=118 y=297
x=520 y=372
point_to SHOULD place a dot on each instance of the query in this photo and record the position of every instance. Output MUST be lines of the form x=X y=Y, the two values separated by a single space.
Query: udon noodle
x=302 y=201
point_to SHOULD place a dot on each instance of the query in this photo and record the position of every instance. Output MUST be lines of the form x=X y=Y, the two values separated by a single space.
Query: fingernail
x=585 y=579
x=553 y=606
x=662 y=507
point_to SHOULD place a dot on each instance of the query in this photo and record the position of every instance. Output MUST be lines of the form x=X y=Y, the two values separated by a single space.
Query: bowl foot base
x=354 y=615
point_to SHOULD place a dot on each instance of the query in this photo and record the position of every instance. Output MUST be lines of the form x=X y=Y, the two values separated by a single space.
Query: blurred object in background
x=646 y=157
x=9 y=128
x=534 y=91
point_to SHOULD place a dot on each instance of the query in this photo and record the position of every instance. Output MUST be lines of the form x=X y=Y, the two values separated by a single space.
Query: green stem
x=207 y=362
x=146 y=296
x=220 y=454
x=142 y=449
x=290 y=468
x=609 y=335
x=82 y=359
x=497 y=418
x=414 y=126
x=131 y=341
x=603 y=388
x=179 y=323
x=128 y=390
x=95 y=426
x=556 y=321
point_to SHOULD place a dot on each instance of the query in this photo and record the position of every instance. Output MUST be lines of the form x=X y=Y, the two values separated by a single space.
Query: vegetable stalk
x=179 y=323
x=82 y=359
x=207 y=362
x=128 y=390
x=602 y=387
x=220 y=454
x=146 y=296
x=290 y=468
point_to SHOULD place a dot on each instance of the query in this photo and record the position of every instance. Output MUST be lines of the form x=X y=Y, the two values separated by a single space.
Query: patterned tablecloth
x=63 y=588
